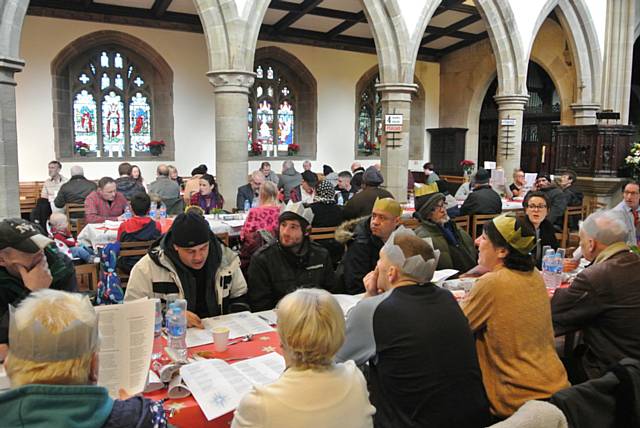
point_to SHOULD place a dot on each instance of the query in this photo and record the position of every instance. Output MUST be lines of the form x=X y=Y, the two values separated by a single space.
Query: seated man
x=138 y=228
x=167 y=190
x=268 y=173
x=52 y=184
x=250 y=191
x=76 y=190
x=364 y=238
x=603 y=300
x=125 y=183
x=567 y=182
x=306 y=190
x=483 y=199
x=630 y=207
x=190 y=261
x=361 y=203
x=54 y=383
x=430 y=175
x=423 y=367
x=105 y=203
x=357 y=172
x=344 y=187
x=28 y=262
x=557 y=199
x=291 y=262
x=454 y=244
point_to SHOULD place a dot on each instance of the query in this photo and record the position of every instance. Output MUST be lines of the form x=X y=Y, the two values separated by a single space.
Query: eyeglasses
x=627 y=193
x=537 y=207
x=440 y=206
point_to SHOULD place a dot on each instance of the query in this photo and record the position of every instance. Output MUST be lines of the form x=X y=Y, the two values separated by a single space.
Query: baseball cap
x=22 y=235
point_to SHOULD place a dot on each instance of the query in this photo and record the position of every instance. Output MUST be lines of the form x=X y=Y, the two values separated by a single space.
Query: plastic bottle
x=340 y=199
x=255 y=202
x=247 y=205
x=157 y=332
x=177 y=329
x=550 y=273
x=163 y=210
x=127 y=212
x=153 y=209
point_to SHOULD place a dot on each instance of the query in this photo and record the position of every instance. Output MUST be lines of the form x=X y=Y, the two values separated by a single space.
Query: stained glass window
x=369 y=125
x=275 y=131
x=112 y=110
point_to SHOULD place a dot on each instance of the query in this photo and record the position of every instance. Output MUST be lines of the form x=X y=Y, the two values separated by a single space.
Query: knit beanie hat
x=426 y=204
x=372 y=177
x=324 y=192
x=189 y=230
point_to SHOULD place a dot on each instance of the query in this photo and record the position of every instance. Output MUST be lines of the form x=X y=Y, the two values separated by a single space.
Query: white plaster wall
x=44 y=38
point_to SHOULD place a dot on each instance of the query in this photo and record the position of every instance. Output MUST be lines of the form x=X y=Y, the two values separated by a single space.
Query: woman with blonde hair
x=313 y=391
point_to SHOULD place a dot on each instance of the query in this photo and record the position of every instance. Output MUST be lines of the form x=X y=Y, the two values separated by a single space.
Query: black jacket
x=74 y=191
x=275 y=271
x=128 y=186
x=558 y=203
x=362 y=254
x=328 y=215
x=483 y=200
x=547 y=236
x=244 y=193
x=362 y=202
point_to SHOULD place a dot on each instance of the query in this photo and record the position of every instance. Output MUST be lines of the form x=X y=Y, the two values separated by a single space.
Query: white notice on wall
x=489 y=165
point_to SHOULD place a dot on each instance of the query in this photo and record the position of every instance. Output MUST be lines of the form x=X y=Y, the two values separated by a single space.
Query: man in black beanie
x=362 y=202
x=190 y=261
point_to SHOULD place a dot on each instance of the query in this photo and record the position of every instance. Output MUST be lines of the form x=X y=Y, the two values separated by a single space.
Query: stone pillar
x=510 y=137
x=585 y=114
x=231 y=90
x=10 y=200
x=618 y=57
x=394 y=155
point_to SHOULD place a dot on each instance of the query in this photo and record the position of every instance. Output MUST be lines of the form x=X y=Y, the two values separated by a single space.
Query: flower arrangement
x=633 y=160
x=81 y=148
x=155 y=147
x=369 y=147
x=256 y=148
x=292 y=149
x=467 y=166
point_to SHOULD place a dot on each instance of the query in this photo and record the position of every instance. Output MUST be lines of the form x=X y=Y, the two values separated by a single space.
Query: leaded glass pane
x=117 y=61
x=113 y=125
x=84 y=78
x=265 y=125
x=139 y=82
x=249 y=128
x=129 y=71
x=270 y=91
x=269 y=73
x=140 y=122
x=259 y=72
x=84 y=120
x=105 y=82
x=285 y=125
x=259 y=91
x=119 y=81
x=104 y=60
x=93 y=69
x=364 y=130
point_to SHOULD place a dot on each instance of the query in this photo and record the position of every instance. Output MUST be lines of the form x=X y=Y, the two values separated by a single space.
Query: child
x=138 y=228
x=59 y=229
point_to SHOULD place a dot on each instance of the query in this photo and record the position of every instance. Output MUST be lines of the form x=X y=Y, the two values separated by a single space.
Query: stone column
x=585 y=114
x=9 y=202
x=618 y=57
x=394 y=155
x=510 y=137
x=231 y=89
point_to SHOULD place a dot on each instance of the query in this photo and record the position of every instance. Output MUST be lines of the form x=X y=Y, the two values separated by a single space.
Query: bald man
x=164 y=186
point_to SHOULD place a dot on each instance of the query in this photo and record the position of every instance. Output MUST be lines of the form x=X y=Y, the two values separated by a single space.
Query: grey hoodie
x=289 y=179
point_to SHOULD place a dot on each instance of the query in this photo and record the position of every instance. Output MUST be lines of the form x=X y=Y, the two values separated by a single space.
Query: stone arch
x=12 y=14
x=307 y=91
x=151 y=63
x=416 y=121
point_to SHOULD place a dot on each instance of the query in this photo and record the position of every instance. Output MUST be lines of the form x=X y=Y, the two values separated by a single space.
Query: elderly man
x=364 y=238
x=76 y=190
x=289 y=179
x=630 y=207
x=164 y=186
x=28 y=262
x=483 y=199
x=190 y=261
x=455 y=245
x=52 y=184
x=269 y=174
x=306 y=165
x=53 y=368
x=360 y=204
x=291 y=262
x=603 y=300
x=423 y=367
x=250 y=191
x=105 y=203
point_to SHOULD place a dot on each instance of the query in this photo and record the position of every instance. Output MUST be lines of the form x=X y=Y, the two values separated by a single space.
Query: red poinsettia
x=155 y=143
x=256 y=148
x=467 y=166
x=293 y=148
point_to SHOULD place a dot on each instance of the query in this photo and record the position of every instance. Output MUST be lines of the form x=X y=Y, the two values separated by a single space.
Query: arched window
x=282 y=107
x=117 y=99
x=369 y=126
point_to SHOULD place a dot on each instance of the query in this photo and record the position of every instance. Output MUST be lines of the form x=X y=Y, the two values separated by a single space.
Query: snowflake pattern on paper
x=267 y=349
x=219 y=399
x=264 y=338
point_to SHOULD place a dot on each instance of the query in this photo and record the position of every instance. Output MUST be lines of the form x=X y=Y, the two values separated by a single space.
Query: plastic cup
x=221 y=338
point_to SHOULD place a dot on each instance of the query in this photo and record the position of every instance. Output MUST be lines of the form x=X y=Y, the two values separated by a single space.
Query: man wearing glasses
x=630 y=206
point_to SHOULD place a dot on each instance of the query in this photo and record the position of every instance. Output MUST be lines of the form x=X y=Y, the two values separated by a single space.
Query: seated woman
x=456 y=246
x=263 y=217
x=313 y=391
x=517 y=187
x=509 y=311
x=208 y=197
x=536 y=207
x=54 y=383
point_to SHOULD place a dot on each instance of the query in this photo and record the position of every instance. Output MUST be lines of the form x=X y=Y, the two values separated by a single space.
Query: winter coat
x=165 y=188
x=362 y=202
x=289 y=179
x=128 y=186
x=461 y=257
x=74 y=191
x=483 y=200
x=557 y=204
x=245 y=193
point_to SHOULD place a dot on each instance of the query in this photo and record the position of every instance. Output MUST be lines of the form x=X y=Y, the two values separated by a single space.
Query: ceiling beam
x=293 y=16
x=160 y=7
x=462 y=44
x=451 y=29
x=455 y=5
x=87 y=3
x=442 y=32
x=345 y=25
x=318 y=11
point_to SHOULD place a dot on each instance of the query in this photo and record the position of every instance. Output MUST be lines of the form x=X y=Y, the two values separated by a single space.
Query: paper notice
x=262 y=370
x=270 y=316
x=441 y=275
x=126 y=333
x=530 y=179
x=489 y=165
x=239 y=324
x=198 y=337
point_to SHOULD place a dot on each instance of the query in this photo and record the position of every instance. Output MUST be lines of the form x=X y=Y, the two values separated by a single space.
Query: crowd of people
x=427 y=360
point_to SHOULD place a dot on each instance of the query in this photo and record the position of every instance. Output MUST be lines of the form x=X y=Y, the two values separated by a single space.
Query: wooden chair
x=75 y=216
x=462 y=222
x=87 y=276
x=127 y=249
x=453 y=178
x=224 y=237
x=29 y=192
x=567 y=236
x=319 y=233
x=479 y=220
x=410 y=223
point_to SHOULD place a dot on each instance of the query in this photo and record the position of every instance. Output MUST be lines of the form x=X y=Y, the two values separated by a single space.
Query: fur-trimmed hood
x=345 y=232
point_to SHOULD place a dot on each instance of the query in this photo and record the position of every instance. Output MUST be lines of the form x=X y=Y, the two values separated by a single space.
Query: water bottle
x=412 y=200
x=157 y=332
x=550 y=273
x=127 y=212
x=255 y=202
x=247 y=205
x=340 y=199
x=163 y=210
x=177 y=329
x=152 y=210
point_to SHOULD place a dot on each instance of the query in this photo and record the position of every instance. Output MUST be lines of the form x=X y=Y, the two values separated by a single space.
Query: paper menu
x=269 y=316
x=198 y=337
x=530 y=179
x=126 y=340
x=262 y=370
x=239 y=324
x=441 y=275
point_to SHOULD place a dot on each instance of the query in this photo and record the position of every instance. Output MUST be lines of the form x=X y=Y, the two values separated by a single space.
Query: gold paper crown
x=506 y=225
x=425 y=189
x=388 y=205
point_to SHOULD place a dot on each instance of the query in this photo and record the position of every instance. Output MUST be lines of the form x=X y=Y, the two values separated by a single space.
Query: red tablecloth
x=186 y=412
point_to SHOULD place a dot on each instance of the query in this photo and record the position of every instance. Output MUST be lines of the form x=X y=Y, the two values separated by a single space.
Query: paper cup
x=221 y=338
